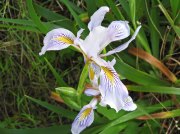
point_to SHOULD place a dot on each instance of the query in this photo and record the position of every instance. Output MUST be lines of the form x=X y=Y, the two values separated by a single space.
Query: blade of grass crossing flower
x=59 y=79
x=35 y=18
x=59 y=110
x=155 y=89
x=137 y=76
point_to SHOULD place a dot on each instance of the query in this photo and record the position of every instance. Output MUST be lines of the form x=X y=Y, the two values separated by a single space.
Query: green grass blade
x=82 y=79
x=115 y=10
x=18 y=21
x=64 y=129
x=35 y=18
x=154 y=32
x=139 y=112
x=54 y=17
x=132 y=7
x=59 y=79
x=59 y=110
x=76 y=17
x=155 y=89
x=137 y=76
x=168 y=17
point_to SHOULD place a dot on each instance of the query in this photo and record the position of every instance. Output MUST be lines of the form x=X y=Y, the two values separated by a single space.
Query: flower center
x=64 y=40
x=109 y=74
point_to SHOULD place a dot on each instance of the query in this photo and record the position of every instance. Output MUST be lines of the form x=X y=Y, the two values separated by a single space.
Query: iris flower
x=101 y=73
x=85 y=117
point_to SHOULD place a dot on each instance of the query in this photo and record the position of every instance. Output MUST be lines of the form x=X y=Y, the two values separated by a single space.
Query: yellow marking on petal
x=85 y=113
x=91 y=73
x=109 y=74
x=64 y=40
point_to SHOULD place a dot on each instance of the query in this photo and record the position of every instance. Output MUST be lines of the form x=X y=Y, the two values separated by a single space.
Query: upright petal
x=85 y=117
x=113 y=91
x=123 y=46
x=57 y=39
x=97 y=17
x=117 y=30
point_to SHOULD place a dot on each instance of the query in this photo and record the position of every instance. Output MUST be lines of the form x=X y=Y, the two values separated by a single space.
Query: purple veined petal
x=118 y=30
x=97 y=18
x=84 y=118
x=113 y=91
x=123 y=46
x=57 y=39
x=91 y=92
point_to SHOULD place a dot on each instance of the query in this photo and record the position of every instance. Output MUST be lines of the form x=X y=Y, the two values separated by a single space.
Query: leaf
x=76 y=17
x=59 y=110
x=168 y=17
x=155 y=89
x=137 y=76
x=129 y=116
x=64 y=129
x=161 y=115
x=59 y=79
x=153 y=61
x=54 y=17
x=35 y=18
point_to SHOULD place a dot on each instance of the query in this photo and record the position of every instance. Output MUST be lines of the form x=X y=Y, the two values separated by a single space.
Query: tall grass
x=150 y=67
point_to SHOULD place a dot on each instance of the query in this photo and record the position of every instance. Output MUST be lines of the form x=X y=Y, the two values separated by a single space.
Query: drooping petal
x=57 y=39
x=94 y=72
x=123 y=46
x=85 y=117
x=97 y=17
x=113 y=91
x=91 y=92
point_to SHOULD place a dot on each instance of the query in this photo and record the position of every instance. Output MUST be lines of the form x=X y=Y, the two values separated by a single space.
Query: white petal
x=113 y=62
x=84 y=118
x=113 y=91
x=91 y=92
x=123 y=46
x=97 y=17
x=95 y=39
x=57 y=39
x=118 y=30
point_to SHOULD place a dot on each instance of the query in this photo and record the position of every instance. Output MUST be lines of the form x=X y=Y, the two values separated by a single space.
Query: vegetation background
x=150 y=67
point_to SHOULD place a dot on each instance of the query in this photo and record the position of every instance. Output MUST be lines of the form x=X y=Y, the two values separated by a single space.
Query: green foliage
x=158 y=36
